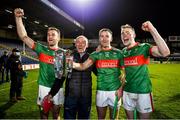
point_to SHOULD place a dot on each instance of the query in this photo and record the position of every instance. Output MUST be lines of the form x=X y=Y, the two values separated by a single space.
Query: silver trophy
x=69 y=63
x=59 y=61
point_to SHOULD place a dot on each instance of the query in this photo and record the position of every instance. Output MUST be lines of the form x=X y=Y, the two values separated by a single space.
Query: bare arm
x=161 y=49
x=19 y=13
x=83 y=66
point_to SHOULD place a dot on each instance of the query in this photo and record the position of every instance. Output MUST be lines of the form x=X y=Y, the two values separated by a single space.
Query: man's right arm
x=19 y=13
x=83 y=66
x=160 y=49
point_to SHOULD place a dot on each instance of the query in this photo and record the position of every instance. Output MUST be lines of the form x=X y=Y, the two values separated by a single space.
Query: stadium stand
x=29 y=57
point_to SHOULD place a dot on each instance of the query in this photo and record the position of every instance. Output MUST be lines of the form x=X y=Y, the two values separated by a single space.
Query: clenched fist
x=18 y=12
x=147 y=26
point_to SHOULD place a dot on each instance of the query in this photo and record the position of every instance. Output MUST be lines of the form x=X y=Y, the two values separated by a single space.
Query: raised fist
x=18 y=12
x=147 y=26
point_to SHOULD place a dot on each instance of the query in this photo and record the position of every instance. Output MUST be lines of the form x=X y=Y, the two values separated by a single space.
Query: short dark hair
x=56 y=29
x=15 y=50
x=105 y=29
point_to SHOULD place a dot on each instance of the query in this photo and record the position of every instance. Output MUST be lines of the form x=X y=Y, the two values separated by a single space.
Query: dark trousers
x=5 y=71
x=79 y=107
x=16 y=88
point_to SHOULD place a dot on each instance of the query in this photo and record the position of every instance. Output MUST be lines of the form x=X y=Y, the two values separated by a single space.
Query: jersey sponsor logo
x=136 y=60
x=46 y=58
x=107 y=63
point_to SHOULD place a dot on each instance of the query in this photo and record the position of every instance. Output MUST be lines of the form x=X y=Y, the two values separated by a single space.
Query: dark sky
x=97 y=14
x=113 y=13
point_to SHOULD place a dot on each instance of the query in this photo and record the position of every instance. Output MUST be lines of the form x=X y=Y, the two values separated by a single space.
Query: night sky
x=112 y=14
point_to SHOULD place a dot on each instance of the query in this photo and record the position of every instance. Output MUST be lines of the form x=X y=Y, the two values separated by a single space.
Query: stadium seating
x=29 y=57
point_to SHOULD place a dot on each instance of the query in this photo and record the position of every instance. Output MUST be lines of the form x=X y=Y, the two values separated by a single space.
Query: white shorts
x=58 y=99
x=141 y=102
x=106 y=98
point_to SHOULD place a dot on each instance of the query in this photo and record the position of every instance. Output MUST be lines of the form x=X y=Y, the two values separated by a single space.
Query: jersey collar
x=136 y=44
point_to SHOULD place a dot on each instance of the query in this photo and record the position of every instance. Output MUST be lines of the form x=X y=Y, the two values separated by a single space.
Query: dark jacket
x=13 y=62
x=80 y=83
x=3 y=61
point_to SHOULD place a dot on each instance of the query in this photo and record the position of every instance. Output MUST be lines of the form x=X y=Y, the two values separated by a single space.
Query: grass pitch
x=166 y=95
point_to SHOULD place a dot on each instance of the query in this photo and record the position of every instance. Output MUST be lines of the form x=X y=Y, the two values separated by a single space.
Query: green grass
x=166 y=94
x=23 y=109
x=166 y=90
